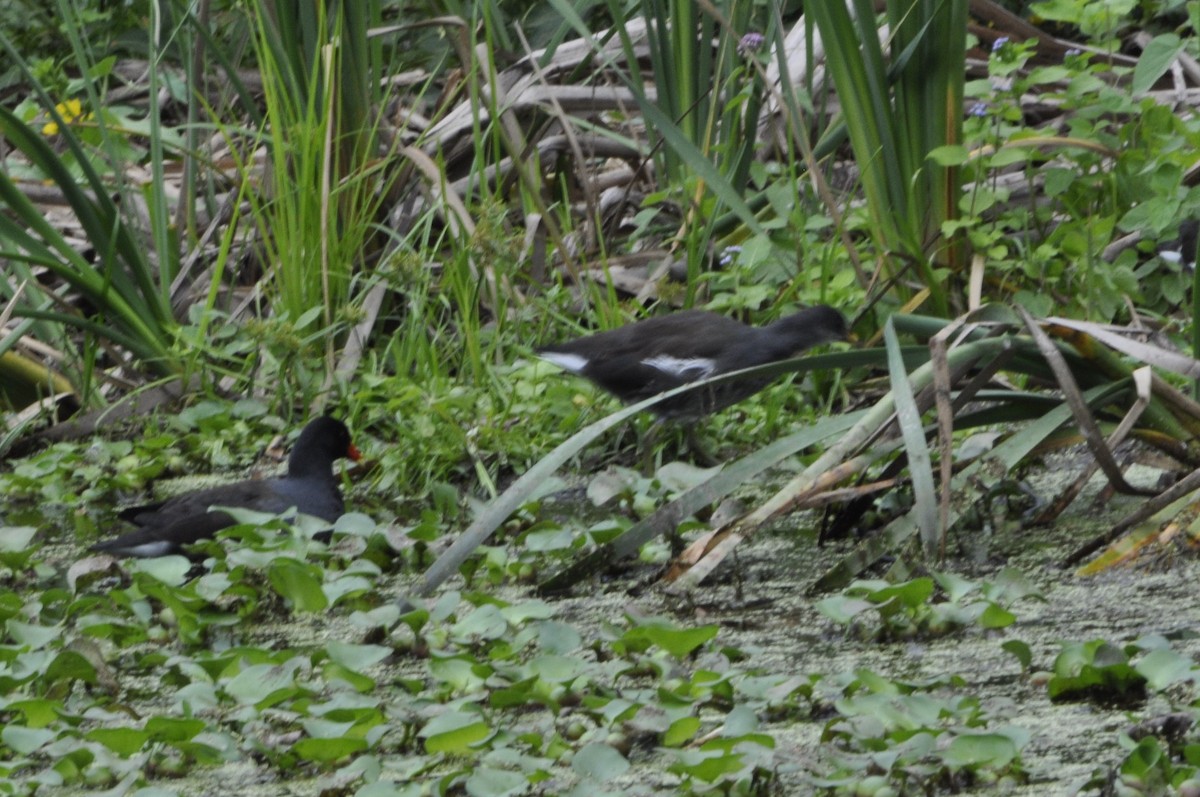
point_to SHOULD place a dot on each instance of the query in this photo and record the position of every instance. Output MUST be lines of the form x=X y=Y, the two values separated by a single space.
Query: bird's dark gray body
x=310 y=486
x=649 y=357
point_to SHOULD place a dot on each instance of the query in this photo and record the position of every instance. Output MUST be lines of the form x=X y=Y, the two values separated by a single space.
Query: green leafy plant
x=880 y=610
x=929 y=740
x=896 y=113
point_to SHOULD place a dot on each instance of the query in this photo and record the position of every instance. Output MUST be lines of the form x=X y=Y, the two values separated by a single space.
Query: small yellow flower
x=69 y=111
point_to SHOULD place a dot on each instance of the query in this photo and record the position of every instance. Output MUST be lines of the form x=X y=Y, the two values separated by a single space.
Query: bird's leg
x=701 y=453
x=647 y=443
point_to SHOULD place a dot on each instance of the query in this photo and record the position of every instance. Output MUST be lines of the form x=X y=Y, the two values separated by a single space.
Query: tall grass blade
x=920 y=466
x=713 y=489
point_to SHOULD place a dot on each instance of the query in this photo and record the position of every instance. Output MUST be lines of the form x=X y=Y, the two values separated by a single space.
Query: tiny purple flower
x=750 y=44
x=1073 y=51
x=978 y=109
x=996 y=45
x=728 y=254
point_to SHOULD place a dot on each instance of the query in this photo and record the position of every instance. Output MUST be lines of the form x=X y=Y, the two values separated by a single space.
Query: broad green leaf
x=949 y=155
x=454 y=733
x=299 y=582
x=556 y=669
x=599 y=761
x=996 y=616
x=170 y=570
x=34 y=637
x=492 y=782
x=24 y=740
x=261 y=682
x=1020 y=650
x=1164 y=667
x=174 y=729
x=70 y=666
x=355 y=523
x=328 y=749
x=681 y=731
x=122 y=741
x=707 y=765
x=679 y=642
x=1156 y=59
x=16 y=538
x=980 y=750
x=357 y=657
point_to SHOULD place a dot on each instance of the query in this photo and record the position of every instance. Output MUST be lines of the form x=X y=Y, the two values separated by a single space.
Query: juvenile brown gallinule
x=309 y=486
x=649 y=357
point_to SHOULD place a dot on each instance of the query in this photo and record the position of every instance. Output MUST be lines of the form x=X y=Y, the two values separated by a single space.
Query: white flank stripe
x=149 y=549
x=568 y=362
x=689 y=368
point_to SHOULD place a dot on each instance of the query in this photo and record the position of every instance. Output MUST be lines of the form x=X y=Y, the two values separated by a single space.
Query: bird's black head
x=812 y=326
x=324 y=440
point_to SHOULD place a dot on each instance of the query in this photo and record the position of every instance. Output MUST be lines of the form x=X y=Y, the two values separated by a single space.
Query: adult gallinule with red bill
x=310 y=486
x=649 y=357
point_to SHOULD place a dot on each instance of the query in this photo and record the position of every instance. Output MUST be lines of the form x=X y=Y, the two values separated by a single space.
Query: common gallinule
x=309 y=486
x=649 y=357
x=1182 y=250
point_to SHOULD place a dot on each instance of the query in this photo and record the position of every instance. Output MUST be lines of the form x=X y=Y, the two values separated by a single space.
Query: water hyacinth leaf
x=955 y=586
x=610 y=484
x=1097 y=668
x=1011 y=585
x=173 y=729
x=679 y=642
x=36 y=713
x=1144 y=758
x=980 y=750
x=25 y=741
x=484 y=622
x=1164 y=667
x=843 y=609
x=170 y=570
x=340 y=588
x=356 y=657
x=560 y=638
x=14 y=539
x=549 y=539
x=878 y=592
x=454 y=733
x=708 y=764
x=1020 y=650
x=520 y=613
x=386 y=788
x=462 y=675
x=678 y=476
x=996 y=616
x=70 y=666
x=492 y=782
x=298 y=582
x=32 y=637
x=681 y=731
x=262 y=684
x=328 y=749
x=122 y=741
x=599 y=761
x=556 y=669
x=739 y=722
x=356 y=524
